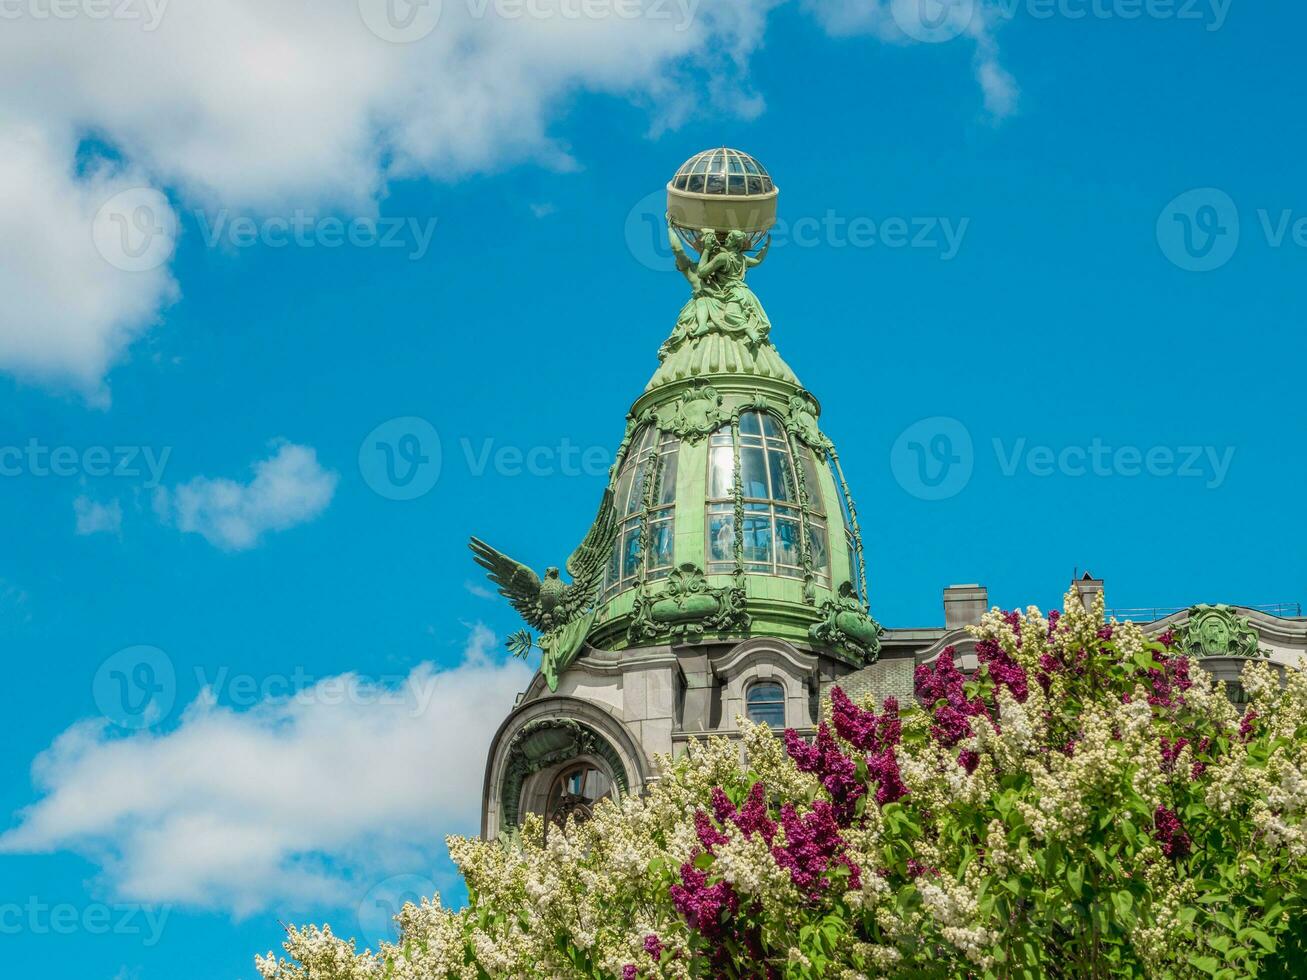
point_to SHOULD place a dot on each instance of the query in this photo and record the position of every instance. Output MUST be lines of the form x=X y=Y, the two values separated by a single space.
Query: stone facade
x=656 y=700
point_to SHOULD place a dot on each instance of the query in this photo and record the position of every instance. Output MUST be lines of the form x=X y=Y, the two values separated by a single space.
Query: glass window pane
x=765 y=703
x=844 y=504
x=695 y=183
x=721 y=482
x=631 y=551
x=667 y=479
x=820 y=551
x=737 y=184
x=782 y=480
x=753 y=472
x=787 y=542
x=614 y=562
x=721 y=537
x=635 y=490
x=660 y=545
x=811 y=483
x=769 y=426
x=749 y=424
x=757 y=539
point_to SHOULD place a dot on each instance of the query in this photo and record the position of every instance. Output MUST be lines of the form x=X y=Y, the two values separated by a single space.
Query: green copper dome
x=727 y=514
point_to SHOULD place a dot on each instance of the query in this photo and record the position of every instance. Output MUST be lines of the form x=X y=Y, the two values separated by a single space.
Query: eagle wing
x=517 y=583
x=586 y=565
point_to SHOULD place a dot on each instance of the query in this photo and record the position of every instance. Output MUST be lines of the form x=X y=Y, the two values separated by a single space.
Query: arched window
x=768 y=502
x=574 y=793
x=764 y=701
x=645 y=498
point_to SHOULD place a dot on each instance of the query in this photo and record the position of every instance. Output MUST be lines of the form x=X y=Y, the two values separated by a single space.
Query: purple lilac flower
x=1170 y=833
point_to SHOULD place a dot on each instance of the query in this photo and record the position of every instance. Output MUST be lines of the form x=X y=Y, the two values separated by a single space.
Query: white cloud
x=931 y=22
x=68 y=313
x=303 y=801
x=289 y=488
x=94 y=517
x=479 y=590
x=262 y=107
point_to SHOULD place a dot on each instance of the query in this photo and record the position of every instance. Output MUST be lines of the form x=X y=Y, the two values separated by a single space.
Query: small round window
x=765 y=704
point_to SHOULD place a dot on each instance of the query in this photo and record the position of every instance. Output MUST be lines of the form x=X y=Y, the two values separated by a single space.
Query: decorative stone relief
x=847 y=626
x=802 y=421
x=695 y=414
x=541 y=744
x=687 y=609
x=1218 y=631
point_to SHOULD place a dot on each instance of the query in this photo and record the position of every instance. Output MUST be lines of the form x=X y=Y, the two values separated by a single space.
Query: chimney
x=1088 y=588
x=964 y=605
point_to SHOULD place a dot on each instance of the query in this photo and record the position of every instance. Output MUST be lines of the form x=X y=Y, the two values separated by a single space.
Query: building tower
x=724 y=574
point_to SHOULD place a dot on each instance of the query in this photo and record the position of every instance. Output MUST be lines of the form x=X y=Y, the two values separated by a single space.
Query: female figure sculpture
x=720 y=301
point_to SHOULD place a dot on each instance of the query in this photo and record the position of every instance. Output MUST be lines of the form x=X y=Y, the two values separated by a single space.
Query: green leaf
x=1259 y=937
x=1075 y=877
x=519 y=644
x=1208 y=964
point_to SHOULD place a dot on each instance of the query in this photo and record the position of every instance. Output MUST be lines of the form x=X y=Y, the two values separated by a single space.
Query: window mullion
x=805 y=531
x=738 y=494
x=647 y=493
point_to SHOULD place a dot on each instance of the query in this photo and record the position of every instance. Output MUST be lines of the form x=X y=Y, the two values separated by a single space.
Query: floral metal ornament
x=802 y=421
x=847 y=626
x=562 y=612
x=688 y=608
x=695 y=415
x=1218 y=631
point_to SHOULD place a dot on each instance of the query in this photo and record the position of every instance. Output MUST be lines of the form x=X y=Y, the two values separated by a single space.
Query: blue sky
x=984 y=263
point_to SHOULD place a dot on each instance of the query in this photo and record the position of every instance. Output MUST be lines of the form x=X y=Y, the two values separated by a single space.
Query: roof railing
x=1149 y=614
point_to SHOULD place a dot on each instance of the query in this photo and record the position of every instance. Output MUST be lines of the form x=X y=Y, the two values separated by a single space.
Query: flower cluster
x=1086 y=803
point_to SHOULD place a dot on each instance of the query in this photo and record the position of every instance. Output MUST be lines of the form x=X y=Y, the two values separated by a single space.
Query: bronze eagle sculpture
x=550 y=604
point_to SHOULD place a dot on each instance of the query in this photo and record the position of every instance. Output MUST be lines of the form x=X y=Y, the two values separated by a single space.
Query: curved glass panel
x=645 y=498
x=772 y=530
x=723 y=171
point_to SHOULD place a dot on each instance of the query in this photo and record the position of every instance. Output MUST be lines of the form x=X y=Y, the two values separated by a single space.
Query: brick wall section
x=885 y=678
